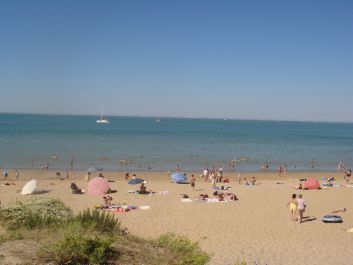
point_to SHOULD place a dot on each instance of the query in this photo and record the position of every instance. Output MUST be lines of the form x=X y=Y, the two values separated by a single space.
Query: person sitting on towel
x=142 y=189
x=107 y=200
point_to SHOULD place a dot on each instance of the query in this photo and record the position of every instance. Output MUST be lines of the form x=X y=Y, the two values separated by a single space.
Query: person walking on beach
x=293 y=204
x=16 y=174
x=301 y=207
x=205 y=174
x=72 y=163
x=192 y=181
x=348 y=175
x=5 y=174
x=214 y=179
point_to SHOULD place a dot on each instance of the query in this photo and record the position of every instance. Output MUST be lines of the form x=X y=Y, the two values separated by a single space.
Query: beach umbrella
x=98 y=186
x=311 y=184
x=29 y=187
x=135 y=181
x=178 y=177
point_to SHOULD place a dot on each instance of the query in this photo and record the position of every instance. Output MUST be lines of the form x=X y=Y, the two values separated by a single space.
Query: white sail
x=102 y=121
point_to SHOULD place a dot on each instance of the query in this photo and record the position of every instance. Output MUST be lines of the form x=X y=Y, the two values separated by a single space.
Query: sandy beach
x=257 y=227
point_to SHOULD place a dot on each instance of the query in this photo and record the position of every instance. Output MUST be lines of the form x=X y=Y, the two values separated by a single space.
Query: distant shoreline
x=175 y=117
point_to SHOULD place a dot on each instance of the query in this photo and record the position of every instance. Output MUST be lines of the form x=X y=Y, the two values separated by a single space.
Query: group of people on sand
x=6 y=174
x=297 y=207
x=213 y=174
x=219 y=196
x=252 y=182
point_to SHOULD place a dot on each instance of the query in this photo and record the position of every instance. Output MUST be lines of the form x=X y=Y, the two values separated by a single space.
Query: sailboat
x=102 y=121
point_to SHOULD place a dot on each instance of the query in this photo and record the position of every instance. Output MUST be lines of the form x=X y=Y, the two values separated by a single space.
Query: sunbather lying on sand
x=203 y=196
x=343 y=210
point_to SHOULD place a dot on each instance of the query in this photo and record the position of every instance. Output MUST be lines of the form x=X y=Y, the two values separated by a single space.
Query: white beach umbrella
x=29 y=187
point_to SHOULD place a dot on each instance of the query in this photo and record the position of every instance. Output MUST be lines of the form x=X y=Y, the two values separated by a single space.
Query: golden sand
x=257 y=227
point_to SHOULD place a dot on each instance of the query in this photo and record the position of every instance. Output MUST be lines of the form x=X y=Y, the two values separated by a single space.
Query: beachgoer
x=58 y=175
x=312 y=163
x=232 y=196
x=300 y=207
x=239 y=178
x=5 y=174
x=72 y=163
x=220 y=196
x=142 y=189
x=214 y=179
x=253 y=181
x=67 y=174
x=127 y=176
x=299 y=187
x=205 y=174
x=100 y=175
x=343 y=210
x=328 y=183
x=293 y=204
x=88 y=176
x=245 y=182
x=192 y=181
x=348 y=175
x=16 y=174
x=107 y=200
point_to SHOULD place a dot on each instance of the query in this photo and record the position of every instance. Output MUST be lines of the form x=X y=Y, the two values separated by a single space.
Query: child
x=293 y=204
x=301 y=207
x=192 y=181
x=107 y=200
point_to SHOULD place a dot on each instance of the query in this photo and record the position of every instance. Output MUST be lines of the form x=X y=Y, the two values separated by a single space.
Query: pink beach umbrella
x=311 y=184
x=98 y=186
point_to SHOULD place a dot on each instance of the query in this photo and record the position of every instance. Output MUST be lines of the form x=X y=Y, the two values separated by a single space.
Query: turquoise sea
x=30 y=141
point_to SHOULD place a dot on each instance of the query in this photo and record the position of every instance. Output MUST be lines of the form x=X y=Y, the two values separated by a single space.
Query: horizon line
x=177 y=117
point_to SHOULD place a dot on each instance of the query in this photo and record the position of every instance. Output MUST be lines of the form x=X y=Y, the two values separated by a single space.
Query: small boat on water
x=103 y=121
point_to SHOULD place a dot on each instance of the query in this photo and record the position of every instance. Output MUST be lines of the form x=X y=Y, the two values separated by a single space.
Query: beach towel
x=163 y=193
x=145 y=207
x=214 y=200
x=185 y=200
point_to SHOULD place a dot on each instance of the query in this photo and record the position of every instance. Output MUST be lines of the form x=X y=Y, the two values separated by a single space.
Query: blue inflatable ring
x=332 y=219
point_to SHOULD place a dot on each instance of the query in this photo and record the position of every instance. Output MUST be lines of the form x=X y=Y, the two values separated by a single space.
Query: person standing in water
x=72 y=163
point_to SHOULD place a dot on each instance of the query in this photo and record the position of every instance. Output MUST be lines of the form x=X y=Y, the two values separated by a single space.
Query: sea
x=161 y=144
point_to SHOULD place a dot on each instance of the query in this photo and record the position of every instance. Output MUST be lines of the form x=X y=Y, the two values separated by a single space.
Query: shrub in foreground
x=100 y=221
x=78 y=249
x=181 y=251
x=34 y=213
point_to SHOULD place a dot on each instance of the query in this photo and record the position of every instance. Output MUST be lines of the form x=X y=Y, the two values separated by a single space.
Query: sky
x=278 y=60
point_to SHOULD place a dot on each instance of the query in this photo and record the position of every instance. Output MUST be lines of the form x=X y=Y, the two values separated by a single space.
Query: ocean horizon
x=135 y=143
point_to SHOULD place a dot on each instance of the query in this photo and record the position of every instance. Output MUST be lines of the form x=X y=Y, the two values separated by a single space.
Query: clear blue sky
x=287 y=60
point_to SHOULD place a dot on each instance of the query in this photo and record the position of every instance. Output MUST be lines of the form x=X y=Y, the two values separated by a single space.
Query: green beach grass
x=90 y=237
